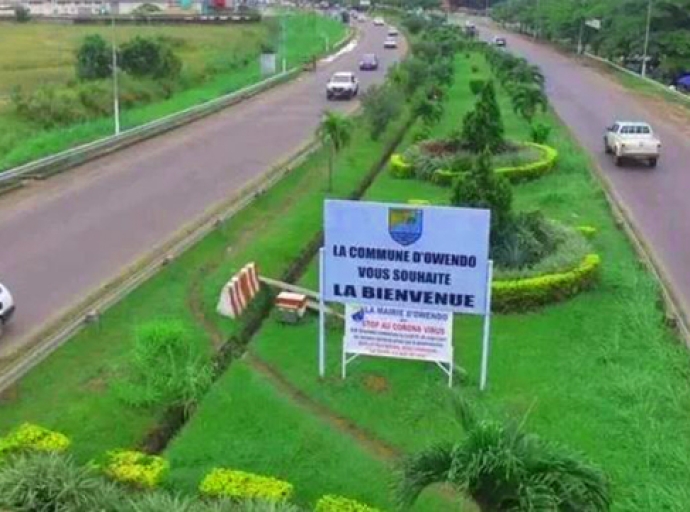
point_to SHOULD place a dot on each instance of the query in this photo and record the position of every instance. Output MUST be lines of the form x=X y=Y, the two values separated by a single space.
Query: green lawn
x=598 y=373
x=207 y=52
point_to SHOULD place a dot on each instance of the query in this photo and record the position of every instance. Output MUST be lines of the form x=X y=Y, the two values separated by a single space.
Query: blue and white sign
x=414 y=257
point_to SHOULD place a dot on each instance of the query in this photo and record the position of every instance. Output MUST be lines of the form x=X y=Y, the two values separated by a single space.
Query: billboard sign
x=385 y=331
x=409 y=257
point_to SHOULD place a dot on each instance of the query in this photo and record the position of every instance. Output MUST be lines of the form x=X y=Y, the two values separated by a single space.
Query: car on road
x=500 y=42
x=390 y=43
x=343 y=84
x=6 y=306
x=632 y=140
x=392 y=32
x=378 y=22
x=369 y=62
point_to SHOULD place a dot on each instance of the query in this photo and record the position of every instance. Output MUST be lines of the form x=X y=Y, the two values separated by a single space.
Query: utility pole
x=282 y=41
x=646 y=38
x=116 y=94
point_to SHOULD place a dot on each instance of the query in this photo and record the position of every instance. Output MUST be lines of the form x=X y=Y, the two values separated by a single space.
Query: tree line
x=622 y=29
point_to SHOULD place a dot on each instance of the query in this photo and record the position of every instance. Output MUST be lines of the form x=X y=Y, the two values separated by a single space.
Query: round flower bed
x=441 y=161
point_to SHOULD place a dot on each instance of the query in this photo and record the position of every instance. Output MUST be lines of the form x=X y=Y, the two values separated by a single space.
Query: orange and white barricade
x=239 y=291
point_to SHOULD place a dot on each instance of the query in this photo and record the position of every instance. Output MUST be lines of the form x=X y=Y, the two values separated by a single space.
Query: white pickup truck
x=632 y=140
x=343 y=84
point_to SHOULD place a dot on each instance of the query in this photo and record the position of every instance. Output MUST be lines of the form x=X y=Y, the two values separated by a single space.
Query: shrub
x=381 y=104
x=28 y=437
x=483 y=188
x=135 y=468
x=444 y=177
x=587 y=231
x=533 y=169
x=477 y=85
x=420 y=202
x=525 y=294
x=94 y=58
x=428 y=110
x=149 y=57
x=49 y=482
x=524 y=241
x=540 y=132
x=399 y=168
x=482 y=127
x=332 y=503
x=228 y=483
x=421 y=133
x=166 y=367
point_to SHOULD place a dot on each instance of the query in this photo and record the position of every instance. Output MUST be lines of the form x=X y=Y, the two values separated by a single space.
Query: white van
x=6 y=305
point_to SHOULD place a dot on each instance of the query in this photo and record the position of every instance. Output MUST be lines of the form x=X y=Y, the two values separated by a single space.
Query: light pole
x=646 y=38
x=282 y=41
x=116 y=94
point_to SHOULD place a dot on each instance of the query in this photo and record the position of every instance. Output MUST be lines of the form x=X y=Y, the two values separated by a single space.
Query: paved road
x=62 y=239
x=588 y=101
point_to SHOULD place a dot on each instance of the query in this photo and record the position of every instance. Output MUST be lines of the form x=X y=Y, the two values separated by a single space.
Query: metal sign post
x=322 y=319
x=487 y=328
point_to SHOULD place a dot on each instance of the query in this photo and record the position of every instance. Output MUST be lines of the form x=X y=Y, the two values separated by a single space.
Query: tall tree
x=335 y=132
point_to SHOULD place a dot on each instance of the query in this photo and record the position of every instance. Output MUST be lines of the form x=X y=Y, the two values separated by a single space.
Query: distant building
x=94 y=7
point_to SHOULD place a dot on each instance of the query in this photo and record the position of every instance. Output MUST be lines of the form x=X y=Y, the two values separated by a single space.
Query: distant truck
x=628 y=140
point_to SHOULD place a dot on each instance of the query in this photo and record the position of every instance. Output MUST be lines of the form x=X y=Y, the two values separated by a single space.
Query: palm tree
x=504 y=469
x=527 y=100
x=335 y=131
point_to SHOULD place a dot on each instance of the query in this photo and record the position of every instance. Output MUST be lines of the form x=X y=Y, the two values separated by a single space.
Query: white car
x=343 y=84
x=500 y=42
x=378 y=22
x=392 y=31
x=6 y=305
x=390 y=43
x=632 y=140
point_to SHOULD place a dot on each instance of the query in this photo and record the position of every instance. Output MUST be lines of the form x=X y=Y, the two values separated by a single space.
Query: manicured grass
x=272 y=231
x=201 y=49
x=599 y=373
x=244 y=422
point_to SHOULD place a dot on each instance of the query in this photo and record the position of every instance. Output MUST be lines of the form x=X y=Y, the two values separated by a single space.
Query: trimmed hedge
x=444 y=178
x=228 y=483
x=588 y=232
x=523 y=294
x=28 y=437
x=135 y=468
x=332 y=503
x=399 y=168
x=534 y=169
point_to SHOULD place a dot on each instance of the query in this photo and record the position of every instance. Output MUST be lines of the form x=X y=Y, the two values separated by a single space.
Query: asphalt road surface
x=588 y=101
x=62 y=239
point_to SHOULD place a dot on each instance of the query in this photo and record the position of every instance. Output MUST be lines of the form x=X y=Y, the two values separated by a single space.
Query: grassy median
x=599 y=373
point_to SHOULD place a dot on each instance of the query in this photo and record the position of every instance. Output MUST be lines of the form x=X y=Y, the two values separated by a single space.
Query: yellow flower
x=228 y=483
x=34 y=438
x=135 y=468
x=332 y=503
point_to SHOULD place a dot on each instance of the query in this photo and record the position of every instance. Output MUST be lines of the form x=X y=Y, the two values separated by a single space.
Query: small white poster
x=385 y=331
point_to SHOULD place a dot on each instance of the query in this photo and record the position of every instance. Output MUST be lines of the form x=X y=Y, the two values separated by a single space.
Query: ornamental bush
x=228 y=483
x=28 y=437
x=482 y=127
x=525 y=294
x=533 y=169
x=135 y=468
x=50 y=482
x=400 y=168
x=444 y=177
x=333 y=503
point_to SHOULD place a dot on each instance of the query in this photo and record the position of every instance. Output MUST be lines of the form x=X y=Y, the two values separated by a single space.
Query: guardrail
x=651 y=81
x=59 y=162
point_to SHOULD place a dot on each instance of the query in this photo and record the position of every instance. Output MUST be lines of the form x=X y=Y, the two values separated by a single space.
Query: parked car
x=378 y=22
x=343 y=84
x=500 y=42
x=392 y=31
x=369 y=62
x=632 y=140
x=6 y=306
x=390 y=43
